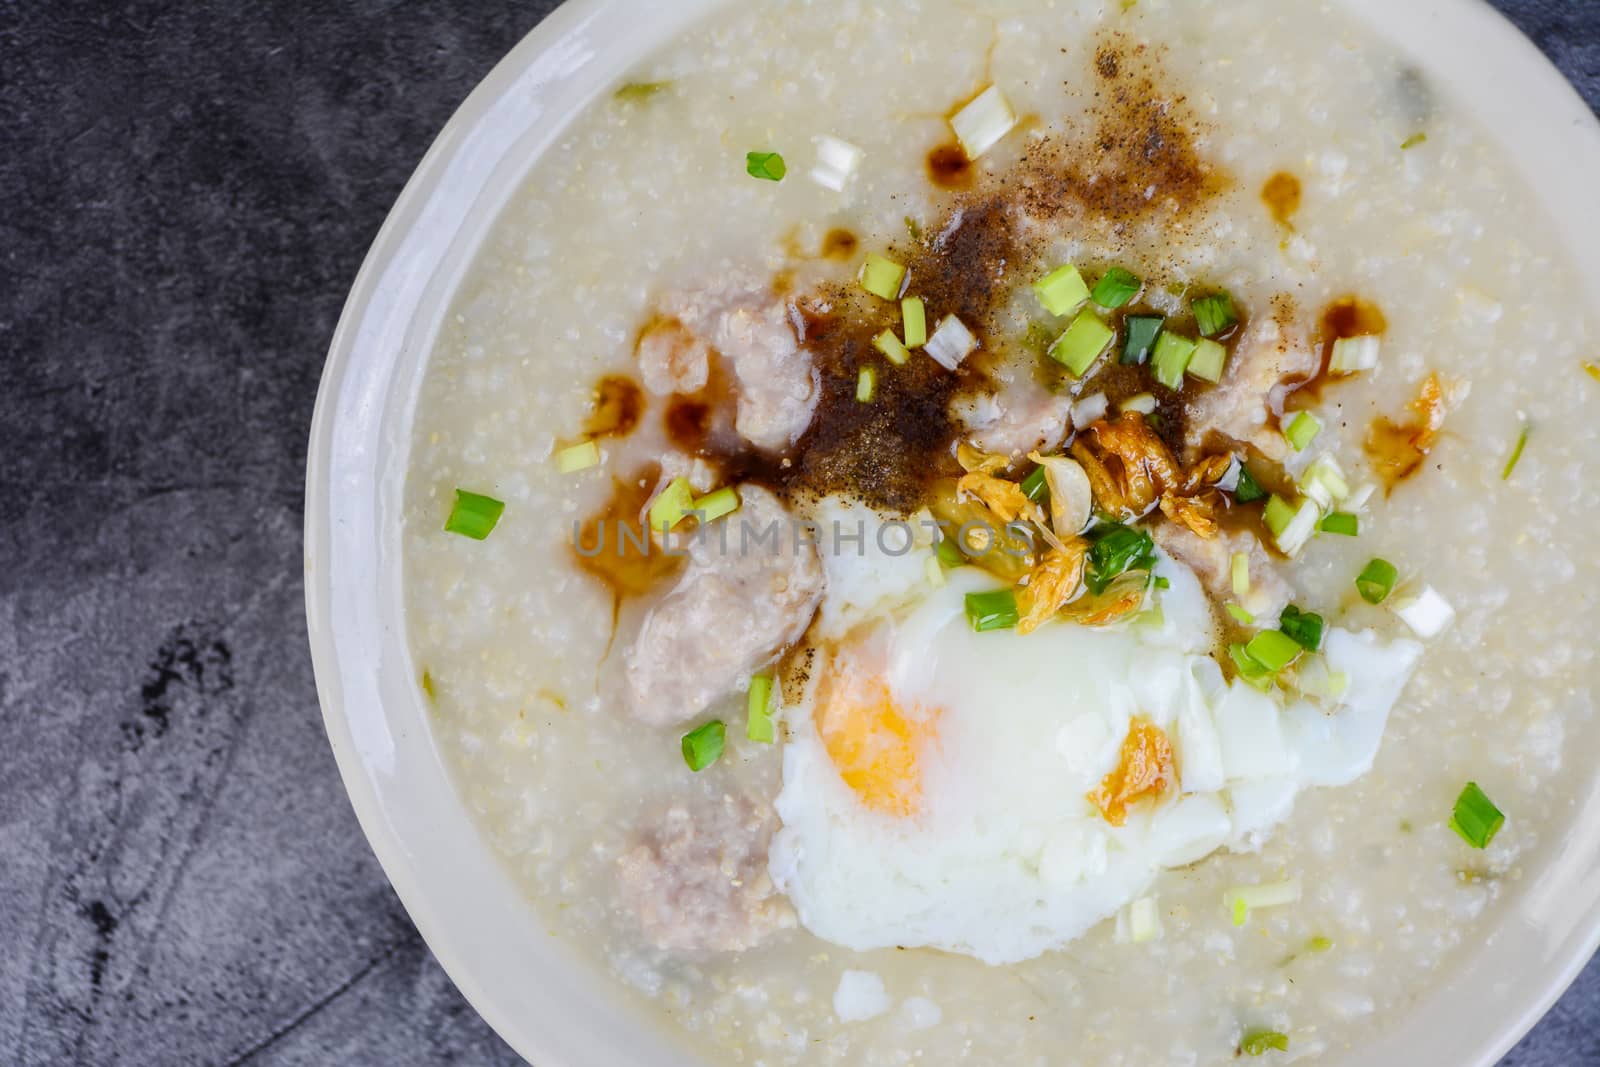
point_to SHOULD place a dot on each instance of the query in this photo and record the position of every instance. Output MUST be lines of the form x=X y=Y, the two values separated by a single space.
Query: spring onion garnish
x=1255 y=897
x=1034 y=486
x=703 y=745
x=1516 y=453
x=1115 y=550
x=1170 y=359
x=768 y=166
x=951 y=343
x=1302 y=430
x=1302 y=627
x=933 y=570
x=578 y=457
x=1274 y=649
x=1248 y=491
x=1116 y=287
x=980 y=125
x=882 y=277
x=671 y=505
x=1142 y=331
x=1240 y=616
x=866 y=384
x=1376 y=581
x=758 y=710
x=1208 y=361
x=1253 y=672
x=1342 y=523
x=1412 y=141
x=948 y=552
x=1260 y=1042
x=1351 y=355
x=1324 y=482
x=893 y=351
x=1320 y=944
x=1476 y=818
x=1062 y=291
x=992 y=611
x=1214 y=314
x=914 y=321
x=1144 y=920
x=1291 y=525
x=836 y=161
x=1426 y=612
x=1082 y=344
x=1241 y=573
x=474 y=515
x=1090 y=410
x=713 y=506
x=1143 y=404
x=639 y=92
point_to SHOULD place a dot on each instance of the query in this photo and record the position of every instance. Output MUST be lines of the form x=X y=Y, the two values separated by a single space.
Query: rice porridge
x=1041 y=531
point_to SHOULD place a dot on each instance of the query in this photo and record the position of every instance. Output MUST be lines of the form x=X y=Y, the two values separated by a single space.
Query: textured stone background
x=186 y=192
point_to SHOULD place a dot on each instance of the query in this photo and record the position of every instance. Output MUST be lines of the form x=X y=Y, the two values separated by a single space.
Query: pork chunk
x=749 y=590
x=697 y=880
x=1271 y=355
x=776 y=385
x=1211 y=559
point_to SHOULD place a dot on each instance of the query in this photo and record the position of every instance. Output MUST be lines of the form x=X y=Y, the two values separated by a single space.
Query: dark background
x=186 y=193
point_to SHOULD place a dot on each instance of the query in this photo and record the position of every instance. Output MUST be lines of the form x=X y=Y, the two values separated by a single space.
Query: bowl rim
x=583 y=45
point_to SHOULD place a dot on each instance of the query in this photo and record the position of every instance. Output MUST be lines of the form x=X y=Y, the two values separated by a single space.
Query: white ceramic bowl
x=530 y=988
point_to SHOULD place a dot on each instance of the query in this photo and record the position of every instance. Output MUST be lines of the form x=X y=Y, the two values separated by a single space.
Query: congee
x=1028 y=532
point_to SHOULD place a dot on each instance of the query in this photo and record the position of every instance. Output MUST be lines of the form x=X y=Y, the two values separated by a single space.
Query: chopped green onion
x=1034 y=486
x=1266 y=895
x=1320 y=944
x=1342 y=523
x=1248 y=491
x=578 y=457
x=951 y=343
x=1260 y=1042
x=1426 y=612
x=1142 y=331
x=1273 y=649
x=1302 y=430
x=1161 y=581
x=992 y=611
x=914 y=320
x=1171 y=358
x=948 y=552
x=713 y=506
x=1324 y=482
x=768 y=166
x=702 y=746
x=1304 y=628
x=638 y=92
x=1376 y=581
x=428 y=686
x=1144 y=920
x=893 y=351
x=1062 y=291
x=1476 y=818
x=1115 y=550
x=474 y=515
x=758 y=710
x=934 y=571
x=1143 y=404
x=980 y=125
x=1241 y=616
x=1208 y=361
x=1082 y=344
x=1516 y=453
x=1241 y=912
x=1291 y=526
x=1116 y=287
x=1241 y=573
x=1214 y=314
x=836 y=162
x=1279 y=514
x=1412 y=141
x=1351 y=355
x=882 y=277
x=1252 y=671
x=671 y=505
x=866 y=384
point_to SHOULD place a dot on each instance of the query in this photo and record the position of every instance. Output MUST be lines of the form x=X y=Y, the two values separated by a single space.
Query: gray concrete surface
x=186 y=191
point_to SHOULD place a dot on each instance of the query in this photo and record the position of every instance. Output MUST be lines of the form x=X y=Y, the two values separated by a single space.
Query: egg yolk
x=873 y=744
x=1144 y=770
